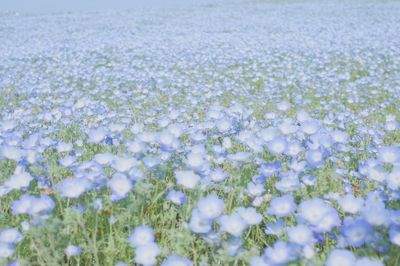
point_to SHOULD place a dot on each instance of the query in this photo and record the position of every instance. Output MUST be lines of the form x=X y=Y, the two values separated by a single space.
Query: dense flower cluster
x=202 y=136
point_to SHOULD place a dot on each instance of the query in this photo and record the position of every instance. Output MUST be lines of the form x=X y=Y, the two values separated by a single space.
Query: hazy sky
x=48 y=6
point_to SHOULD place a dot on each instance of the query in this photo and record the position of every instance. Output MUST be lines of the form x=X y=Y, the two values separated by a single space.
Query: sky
x=50 y=6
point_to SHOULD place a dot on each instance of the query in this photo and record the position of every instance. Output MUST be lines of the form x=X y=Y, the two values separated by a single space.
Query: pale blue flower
x=275 y=228
x=277 y=146
x=104 y=159
x=177 y=197
x=282 y=206
x=394 y=235
x=375 y=213
x=142 y=235
x=32 y=205
x=280 y=253
x=313 y=210
x=341 y=257
x=301 y=235
x=72 y=251
x=255 y=189
x=120 y=186
x=355 y=231
x=368 y=262
x=389 y=154
x=233 y=224
x=10 y=236
x=19 y=180
x=198 y=224
x=175 y=260
x=74 y=187
x=259 y=261
x=123 y=164
x=233 y=246
x=147 y=254
x=250 y=215
x=315 y=157
x=97 y=135
x=6 y=250
x=187 y=179
x=351 y=204
x=210 y=207
x=393 y=178
x=12 y=152
x=218 y=175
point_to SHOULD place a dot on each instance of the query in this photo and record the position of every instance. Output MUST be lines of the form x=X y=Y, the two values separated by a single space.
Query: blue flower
x=168 y=141
x=268 y=134
x=10 y=236
x=375 y=213
x=97 y=135
x=233 y=246
x=277 y=146
x=32 y=205
x=368 y=262
x=6 y=250
x=250 y=215
x=289 y=182
x=255 y=189
x=275 y=228
x=198 y=224
x=314 y=210
x=330 y=220
x=355 y=231
x=74 y=187
x=233 y=224
x=310 y=126
x=120 y=186
x=187 y=179
x=72 y=251
x=340 y=136
x=147 y=254
x=177 y=197
x=218 y=175
x=18 y=181
x=394 y=235
x=270 y=168
x=389 y=154
x=123 y=164
x=210 y=207
x=282 y=206
x=104 y=159
x=12 y=152
x=301 y=235
x=197 y=162
x=315 y=157
x=351 y=204
x=341 y=257
x=259 y=261
x=280 y=253
x=393 y=178
x=142 y=235
x=175 y=260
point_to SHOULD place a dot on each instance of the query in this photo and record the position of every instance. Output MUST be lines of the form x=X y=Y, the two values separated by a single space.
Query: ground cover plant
x=232 y=133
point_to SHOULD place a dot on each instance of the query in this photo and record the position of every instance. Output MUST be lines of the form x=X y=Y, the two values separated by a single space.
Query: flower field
x=260 y=133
